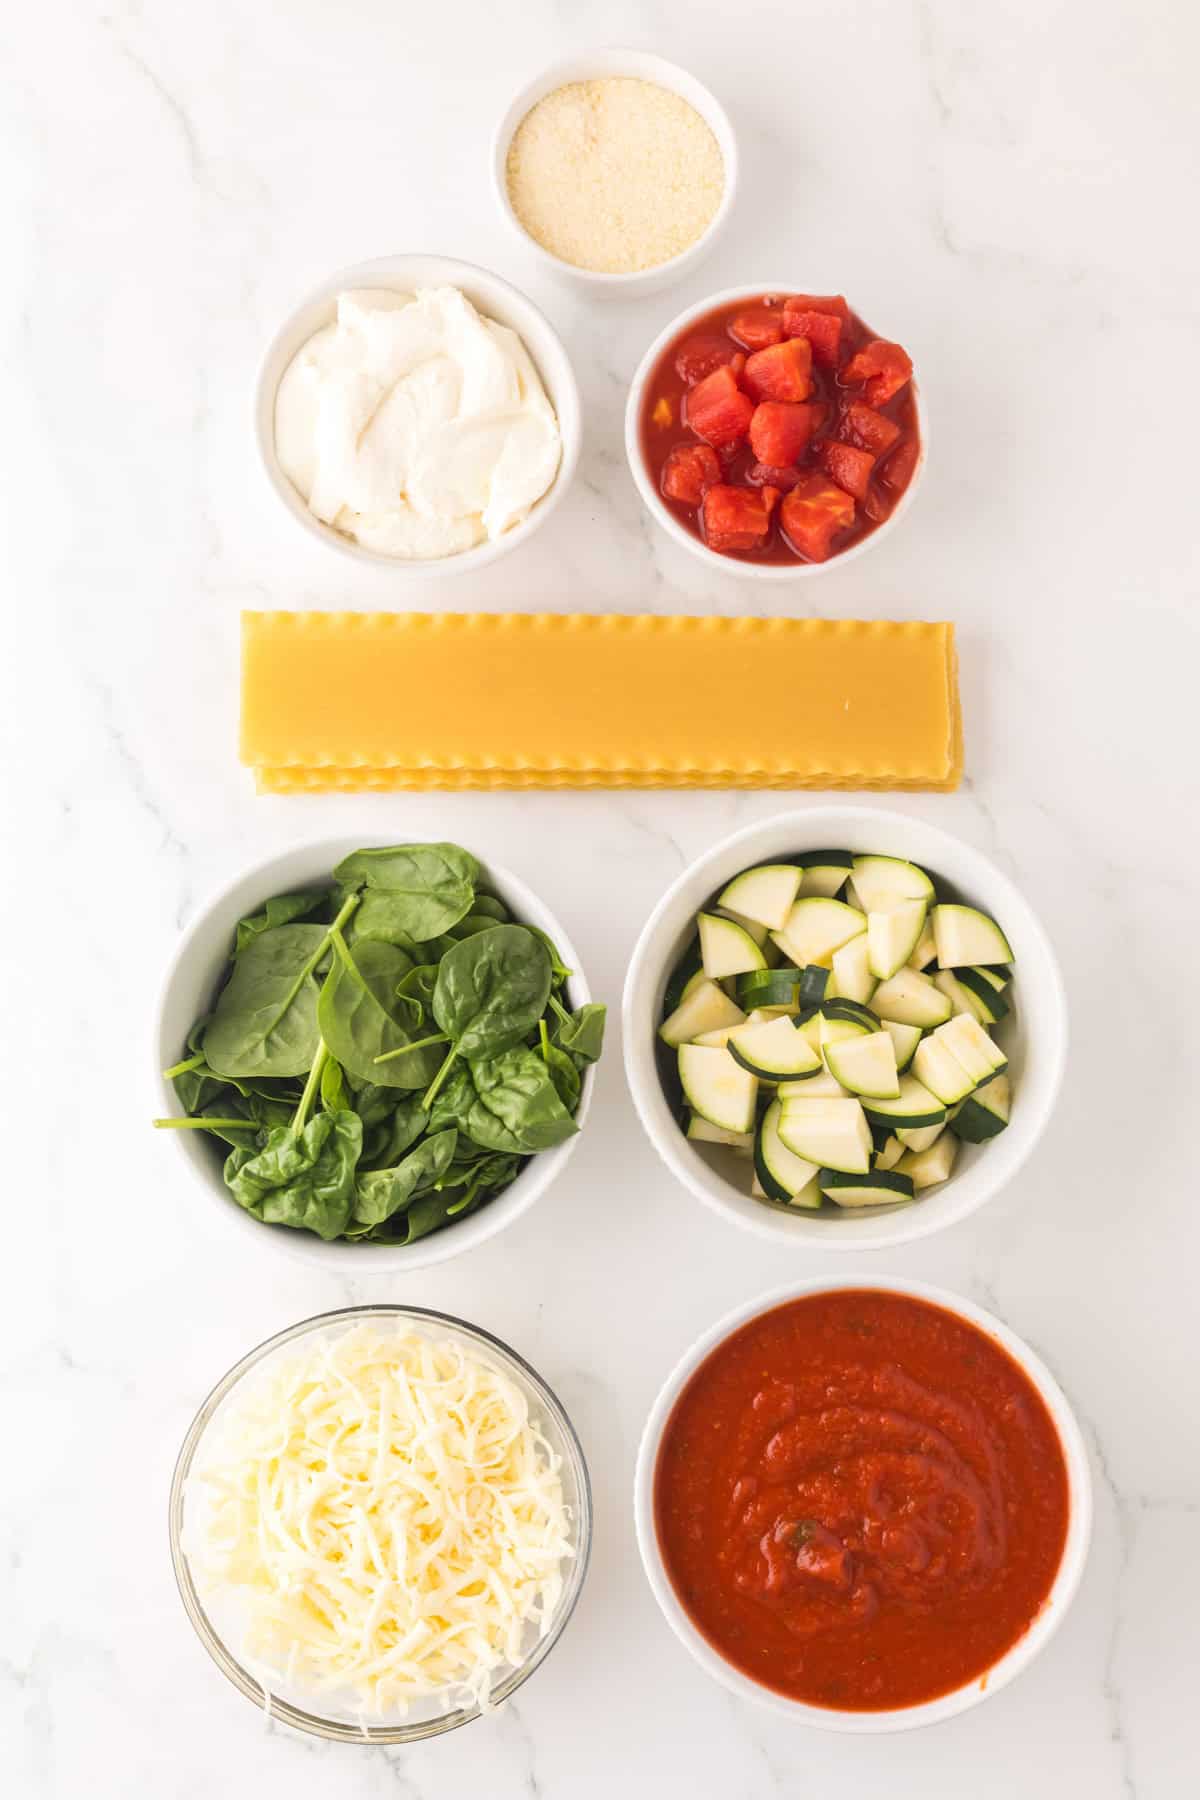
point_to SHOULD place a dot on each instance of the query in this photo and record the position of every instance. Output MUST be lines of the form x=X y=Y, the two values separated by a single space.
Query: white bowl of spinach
x=379 y=1054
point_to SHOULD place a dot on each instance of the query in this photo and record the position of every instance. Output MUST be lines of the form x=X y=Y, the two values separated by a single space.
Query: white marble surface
x=1005 y=187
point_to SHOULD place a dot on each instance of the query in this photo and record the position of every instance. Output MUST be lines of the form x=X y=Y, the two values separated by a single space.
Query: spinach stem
x=200 y=1123
x=437 y=1037
x=185 y=1067
x=544 y=1035
x=564 y=1016
x=310 y=1088
x=437 y=1081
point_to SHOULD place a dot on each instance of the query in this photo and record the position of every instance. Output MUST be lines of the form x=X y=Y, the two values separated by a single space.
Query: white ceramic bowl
x=188 y=987
x=1022 y=1653
x=490 y=295
x=1035 y=1039
x=648 y=488
x=596 y=65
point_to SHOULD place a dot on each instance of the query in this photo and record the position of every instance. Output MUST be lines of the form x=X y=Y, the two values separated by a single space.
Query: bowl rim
x=316 y=1724
x=1019 y=1654
x=652 y=499
x=615 y=61
x=530 y=1184
x=821 y=824
x=540 y=338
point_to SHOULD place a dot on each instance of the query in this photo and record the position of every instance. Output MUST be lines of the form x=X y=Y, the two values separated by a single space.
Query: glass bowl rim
x=314 y=1723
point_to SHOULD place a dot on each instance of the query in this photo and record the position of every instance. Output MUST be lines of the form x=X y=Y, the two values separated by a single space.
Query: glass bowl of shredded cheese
x=380 y=1523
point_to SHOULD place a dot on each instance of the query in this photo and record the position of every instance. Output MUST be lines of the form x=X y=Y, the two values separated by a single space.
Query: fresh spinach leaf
x=492 y=906
x=563 y=1073
x=381 y=917
x=518 y=1109
x=383 y=1192
x=581 y=1033
x=559 y=972
x=265 y=1019
x=432 y=885
x=362 y=1019
x=492 y=990
x=281 y=909
x=387 y=1141
x=301 y=1178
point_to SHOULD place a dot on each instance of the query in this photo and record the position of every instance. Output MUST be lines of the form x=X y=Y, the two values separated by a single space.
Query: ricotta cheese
x=414 y=425
x=387 y=1516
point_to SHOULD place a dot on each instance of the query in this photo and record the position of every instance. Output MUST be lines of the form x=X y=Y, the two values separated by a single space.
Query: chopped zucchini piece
x=717 y=1087
x=769 y=987
x=913 y=1107
x=773 y=1050
x=905 y=1038
x=866 y=1065
x=765 y=894
x=784 y=1175
x=751 y=927
x=815 y=928
x=936 y=1065
x=966 y=1039
x=825 y=871
x=928 y=1167
x=893 y=936
x=707 y=1008
x=965 y=935
x=889 y=1154
x=884 y=882
x=701 y=1132
x=983 y=1114
x=910 y=998
x=852 y=977
x=726 y=948
x=972 y=992
x=882 y=1187
x=834 y=1134
x=836 y=1028
x=924 y=1137
x=926 y=950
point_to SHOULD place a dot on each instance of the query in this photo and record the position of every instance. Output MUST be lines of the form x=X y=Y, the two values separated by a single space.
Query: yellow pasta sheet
x=360 y=701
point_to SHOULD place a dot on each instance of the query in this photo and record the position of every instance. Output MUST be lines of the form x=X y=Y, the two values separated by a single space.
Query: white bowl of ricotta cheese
x=418 y=412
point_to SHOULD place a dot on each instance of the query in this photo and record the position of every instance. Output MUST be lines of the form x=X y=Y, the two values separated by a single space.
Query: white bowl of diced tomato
x=775 y=434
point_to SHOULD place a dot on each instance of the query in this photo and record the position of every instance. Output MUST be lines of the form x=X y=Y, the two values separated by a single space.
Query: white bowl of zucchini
x=844 y=1027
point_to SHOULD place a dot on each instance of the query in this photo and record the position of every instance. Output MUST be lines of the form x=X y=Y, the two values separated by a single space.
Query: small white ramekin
x=495 y=299
x=640 y=65
x=1036 y=1041
x=187 y=990
x=1011 y=1664
x=647 y=487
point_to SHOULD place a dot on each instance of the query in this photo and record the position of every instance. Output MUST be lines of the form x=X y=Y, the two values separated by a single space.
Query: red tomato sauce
x=861 y=1500
x=848 y=452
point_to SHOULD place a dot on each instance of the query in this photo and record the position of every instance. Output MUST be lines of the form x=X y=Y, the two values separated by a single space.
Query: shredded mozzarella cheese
x=389 y=1516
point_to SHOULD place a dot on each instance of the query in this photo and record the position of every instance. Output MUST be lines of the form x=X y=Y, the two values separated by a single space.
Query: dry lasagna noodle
x=360 y=701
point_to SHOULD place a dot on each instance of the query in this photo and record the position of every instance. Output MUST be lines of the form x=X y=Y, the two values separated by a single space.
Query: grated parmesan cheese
x=614 y=175
x=388 y=1516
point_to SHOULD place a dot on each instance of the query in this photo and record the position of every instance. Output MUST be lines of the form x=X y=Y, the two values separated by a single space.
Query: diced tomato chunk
x=758 y=327
x=688 y=471
x=897 y=471
x=717 y=410
x=863 y=426
x=832 y=305
x=782 y=372
x=813 y=514
x=850 y=468
x=766 y=475
x=738 y=518
x=820 y=330
x=780 y=430
x=884 y=367
x=698 y=356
